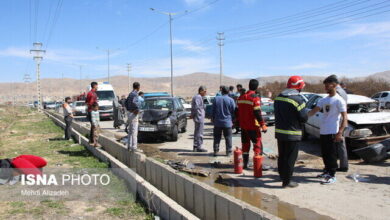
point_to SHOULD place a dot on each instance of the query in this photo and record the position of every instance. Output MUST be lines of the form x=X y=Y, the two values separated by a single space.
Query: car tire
x=175 y=134
x=387 y=105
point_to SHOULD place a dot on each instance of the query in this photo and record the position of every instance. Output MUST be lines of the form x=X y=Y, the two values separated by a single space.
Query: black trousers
x=288 y=153
x=329 y=150
x=227 y=133
x=68 y=126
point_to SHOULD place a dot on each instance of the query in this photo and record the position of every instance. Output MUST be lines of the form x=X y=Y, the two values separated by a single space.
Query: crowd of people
x=244 y=108
x=241 y=110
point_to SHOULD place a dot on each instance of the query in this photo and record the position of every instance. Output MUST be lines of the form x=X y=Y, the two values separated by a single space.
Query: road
x=368 y=199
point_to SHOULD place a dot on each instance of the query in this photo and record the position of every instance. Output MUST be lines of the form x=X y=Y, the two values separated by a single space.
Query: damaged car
x=162 y=117
x=367 y=125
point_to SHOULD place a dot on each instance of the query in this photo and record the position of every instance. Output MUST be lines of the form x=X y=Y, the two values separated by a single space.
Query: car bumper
x=106 y=114
x=356 y=143
x=154 y=129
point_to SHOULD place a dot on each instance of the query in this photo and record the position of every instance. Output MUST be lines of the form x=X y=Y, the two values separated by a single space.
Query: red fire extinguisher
x=258 y=165
x=238 y=163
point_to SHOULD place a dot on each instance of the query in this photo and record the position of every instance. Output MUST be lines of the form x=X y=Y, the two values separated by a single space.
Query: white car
x=383 y=98
x=186 y=105
x=366 y=124
x=79 y=108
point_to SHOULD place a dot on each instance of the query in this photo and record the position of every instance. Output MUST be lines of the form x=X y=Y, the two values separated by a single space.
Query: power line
x=320 y=21
x=48 y=20
x=36 y=19
x=310 y=12
x=197 y=9
x=57 y=13
x=298 y=30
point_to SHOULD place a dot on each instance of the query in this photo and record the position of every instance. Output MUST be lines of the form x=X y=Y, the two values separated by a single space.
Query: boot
x=245 y=158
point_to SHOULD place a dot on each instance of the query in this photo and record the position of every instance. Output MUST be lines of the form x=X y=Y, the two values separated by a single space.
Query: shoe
x=328 y=180
x=215 y=153
x=266 y=167
x=290 y=184
x=229 y=153
x=200 y=150
x=245 y=158
x=342 y=169
x=323 y=175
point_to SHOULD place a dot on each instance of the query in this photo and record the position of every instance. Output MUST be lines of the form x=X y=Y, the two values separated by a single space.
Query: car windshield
x=105 y=95
x=267 y=108
x=363 y=107
x=80 y=103
x=158 y=104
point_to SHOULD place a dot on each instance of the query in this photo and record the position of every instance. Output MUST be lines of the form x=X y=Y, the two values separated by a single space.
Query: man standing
x=198 y=114
x=133 y=108
x=68 y=117
x=91 y=100
x=251 y=121
x=238 y=92
x=331 y=132
x=290 y=114
x=222 y=116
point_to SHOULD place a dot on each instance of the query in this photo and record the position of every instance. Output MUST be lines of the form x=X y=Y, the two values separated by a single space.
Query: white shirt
x=332 y=108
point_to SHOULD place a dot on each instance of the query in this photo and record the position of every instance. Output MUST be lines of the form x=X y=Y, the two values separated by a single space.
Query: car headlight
x=359 y=133
x=166 y=121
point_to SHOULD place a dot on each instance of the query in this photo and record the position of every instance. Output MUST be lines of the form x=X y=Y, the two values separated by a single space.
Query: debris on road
x=188 y=167
x=375 y=152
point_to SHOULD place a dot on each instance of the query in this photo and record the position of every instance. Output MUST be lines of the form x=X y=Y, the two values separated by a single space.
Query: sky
x=262 y=37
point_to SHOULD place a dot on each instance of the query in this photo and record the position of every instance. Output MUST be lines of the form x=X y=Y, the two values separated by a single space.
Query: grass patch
x=34 y=133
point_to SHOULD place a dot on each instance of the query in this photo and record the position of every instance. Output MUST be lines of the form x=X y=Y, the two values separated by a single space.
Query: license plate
x=105 y=114
x=147 y=129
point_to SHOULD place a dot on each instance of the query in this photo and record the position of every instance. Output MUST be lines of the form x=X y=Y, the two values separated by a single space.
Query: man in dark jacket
x=290 y=114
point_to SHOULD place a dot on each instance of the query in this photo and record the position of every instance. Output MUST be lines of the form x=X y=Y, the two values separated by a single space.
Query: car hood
x=154 y=115
x=369 y=118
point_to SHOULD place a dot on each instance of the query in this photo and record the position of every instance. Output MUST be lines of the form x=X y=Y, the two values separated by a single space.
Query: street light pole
x=170 y=14
x=170 y=37
x=38 y=58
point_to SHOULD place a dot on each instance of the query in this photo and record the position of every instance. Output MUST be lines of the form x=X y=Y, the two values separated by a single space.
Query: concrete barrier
x=202 y=200
x=154 y=199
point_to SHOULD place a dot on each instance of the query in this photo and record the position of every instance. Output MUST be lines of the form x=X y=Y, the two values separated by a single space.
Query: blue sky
x=139 y=36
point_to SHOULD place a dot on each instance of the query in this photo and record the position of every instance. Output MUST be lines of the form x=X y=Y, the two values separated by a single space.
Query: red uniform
x=249 y=115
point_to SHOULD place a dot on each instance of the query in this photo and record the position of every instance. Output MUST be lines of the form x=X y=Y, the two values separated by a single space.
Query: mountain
x=185 y=85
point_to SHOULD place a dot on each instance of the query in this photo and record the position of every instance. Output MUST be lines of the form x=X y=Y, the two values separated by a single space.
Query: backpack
x=128 y=102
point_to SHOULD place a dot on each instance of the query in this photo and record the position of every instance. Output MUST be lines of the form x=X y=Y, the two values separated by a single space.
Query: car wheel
x=387 y=105
x=175 y=134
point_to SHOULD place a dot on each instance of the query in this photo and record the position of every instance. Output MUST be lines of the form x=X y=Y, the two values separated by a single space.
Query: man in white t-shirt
x=331 y=129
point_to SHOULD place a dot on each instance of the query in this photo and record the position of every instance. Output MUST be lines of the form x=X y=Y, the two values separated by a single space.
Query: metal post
x=128 y=76
x=108 y=65
x=170 y=36
x=220 y=38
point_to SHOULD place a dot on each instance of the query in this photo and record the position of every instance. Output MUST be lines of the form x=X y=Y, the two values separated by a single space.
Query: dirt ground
x=29 y=132
x=347 y=199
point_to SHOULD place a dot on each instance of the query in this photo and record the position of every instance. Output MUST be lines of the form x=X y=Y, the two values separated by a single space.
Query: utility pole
x=38 y=58
x=81 y=77
x=220 y=39
x=170 y=14
x=62 y=87
x=128 y=76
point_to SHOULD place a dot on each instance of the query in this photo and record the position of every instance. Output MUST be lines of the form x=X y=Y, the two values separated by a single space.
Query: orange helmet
x=295 y=82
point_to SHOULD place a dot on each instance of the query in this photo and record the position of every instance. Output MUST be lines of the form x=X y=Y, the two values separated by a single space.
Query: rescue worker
x=290 y=114
x=251 y=121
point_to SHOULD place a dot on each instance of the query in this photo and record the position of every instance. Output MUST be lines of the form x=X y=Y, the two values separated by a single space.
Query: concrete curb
x=202 y=200
x=155 y=200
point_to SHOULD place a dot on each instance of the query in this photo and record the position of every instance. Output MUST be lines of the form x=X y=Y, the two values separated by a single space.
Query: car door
x=181 y=115
x=384 y=98
x=312 y=126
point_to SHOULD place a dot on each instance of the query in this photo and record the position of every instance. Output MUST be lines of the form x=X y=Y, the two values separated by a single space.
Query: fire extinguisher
x=258 y=165
x=238 y=163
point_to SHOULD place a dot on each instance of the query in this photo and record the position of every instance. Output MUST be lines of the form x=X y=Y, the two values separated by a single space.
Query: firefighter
x=290 y=114
x=251 y=121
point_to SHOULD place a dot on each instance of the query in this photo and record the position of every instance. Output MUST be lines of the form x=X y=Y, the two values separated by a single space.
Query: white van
x=106 y=95
x=383 y=98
